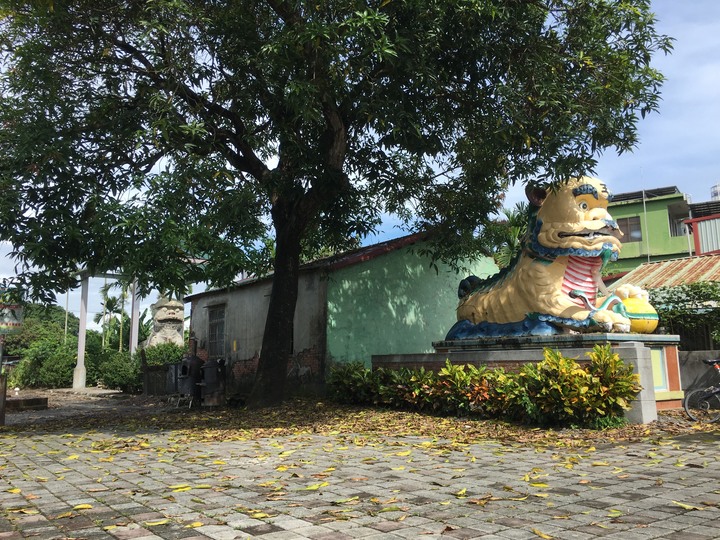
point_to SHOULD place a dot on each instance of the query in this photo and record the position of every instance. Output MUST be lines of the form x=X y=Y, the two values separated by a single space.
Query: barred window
x=216 y=332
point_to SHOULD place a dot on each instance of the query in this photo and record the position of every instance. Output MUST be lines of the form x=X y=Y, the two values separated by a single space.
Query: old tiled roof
x=673 y=272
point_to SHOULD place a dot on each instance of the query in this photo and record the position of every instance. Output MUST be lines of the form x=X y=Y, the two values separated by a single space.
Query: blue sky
x=679 y=146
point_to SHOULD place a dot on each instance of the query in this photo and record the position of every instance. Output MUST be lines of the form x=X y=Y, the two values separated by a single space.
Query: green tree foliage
x=151 y=135
x=688 y=306
x=40 y=321
x=47 y=353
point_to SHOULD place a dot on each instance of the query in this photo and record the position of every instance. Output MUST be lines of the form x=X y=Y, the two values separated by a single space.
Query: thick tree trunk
x=269 y=386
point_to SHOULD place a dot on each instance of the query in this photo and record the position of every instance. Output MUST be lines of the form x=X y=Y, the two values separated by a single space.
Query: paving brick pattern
x=147 y=485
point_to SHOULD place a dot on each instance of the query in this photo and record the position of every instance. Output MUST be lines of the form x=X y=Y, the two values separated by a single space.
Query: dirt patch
x=68 y=404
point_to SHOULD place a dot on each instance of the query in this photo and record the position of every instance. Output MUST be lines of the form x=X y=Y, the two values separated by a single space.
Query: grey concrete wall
x=695 y=374
x=246 y=310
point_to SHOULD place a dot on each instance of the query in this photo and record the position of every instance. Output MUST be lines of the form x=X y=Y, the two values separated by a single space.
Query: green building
x=652 y=223
x=380 y=299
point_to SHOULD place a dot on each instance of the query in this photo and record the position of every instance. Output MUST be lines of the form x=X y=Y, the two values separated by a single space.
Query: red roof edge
x=370 y=252
x=334 y=262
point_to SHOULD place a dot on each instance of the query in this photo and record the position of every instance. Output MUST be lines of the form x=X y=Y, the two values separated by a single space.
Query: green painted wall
x=392 y=304
x=656 y=237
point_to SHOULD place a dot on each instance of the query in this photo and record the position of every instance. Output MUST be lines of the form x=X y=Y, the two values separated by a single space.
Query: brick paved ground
x=156 y=484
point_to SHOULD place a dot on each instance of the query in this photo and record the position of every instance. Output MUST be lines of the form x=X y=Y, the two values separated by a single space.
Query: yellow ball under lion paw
x=643 y=317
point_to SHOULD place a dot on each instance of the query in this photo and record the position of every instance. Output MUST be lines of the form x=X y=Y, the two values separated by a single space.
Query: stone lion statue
x=168 y=322
x=554 y=285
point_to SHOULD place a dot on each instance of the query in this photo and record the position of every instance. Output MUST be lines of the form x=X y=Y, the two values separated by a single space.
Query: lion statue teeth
x=554 y=285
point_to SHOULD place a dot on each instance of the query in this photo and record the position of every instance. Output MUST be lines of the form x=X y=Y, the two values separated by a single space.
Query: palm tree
x=113 y=309
x=513 y=231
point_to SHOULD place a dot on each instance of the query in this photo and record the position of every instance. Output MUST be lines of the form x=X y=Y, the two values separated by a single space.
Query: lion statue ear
x=535 y=194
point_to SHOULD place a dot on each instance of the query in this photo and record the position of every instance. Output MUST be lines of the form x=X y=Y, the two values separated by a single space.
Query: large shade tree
x=148 y=135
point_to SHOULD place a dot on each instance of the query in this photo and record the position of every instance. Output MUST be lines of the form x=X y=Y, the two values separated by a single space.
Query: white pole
x=67 y=300
x=80 y=373
x=134 y=319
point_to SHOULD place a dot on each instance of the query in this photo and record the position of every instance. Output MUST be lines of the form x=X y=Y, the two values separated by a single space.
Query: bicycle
x=703 y=404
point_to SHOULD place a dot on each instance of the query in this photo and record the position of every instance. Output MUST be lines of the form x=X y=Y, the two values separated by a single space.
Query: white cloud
x=679 y=146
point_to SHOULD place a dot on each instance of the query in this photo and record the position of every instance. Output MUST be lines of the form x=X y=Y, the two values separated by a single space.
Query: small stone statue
x=168 y=322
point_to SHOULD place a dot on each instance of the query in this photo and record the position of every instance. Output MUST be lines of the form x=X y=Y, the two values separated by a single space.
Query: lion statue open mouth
x=552 y=287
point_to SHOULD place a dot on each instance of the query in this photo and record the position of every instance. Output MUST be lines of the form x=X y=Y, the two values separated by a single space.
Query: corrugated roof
x=646 y=194
x=673 y=272
x=704 y=209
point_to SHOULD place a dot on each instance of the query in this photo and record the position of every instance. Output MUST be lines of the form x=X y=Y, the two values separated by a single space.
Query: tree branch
x=247 y=161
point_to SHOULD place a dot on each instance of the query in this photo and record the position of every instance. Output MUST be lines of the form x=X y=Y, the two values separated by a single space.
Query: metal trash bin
x=213 y=383
x=189 y=379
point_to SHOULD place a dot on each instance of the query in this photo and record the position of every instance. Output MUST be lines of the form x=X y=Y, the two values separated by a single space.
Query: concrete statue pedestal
x=654 y=357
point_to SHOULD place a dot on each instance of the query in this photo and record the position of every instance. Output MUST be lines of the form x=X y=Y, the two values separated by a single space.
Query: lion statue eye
x=584 y=206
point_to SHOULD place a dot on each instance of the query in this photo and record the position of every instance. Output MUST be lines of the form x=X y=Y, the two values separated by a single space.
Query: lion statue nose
x=599 y=214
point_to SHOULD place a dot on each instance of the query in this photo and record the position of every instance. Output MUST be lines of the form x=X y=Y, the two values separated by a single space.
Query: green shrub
x=415 y=390
x=354 y=383
x=555 y=391
x=46 y=362
x=94 y=356
x=120 y=371
x=561 y=392
x=459 y=388
x=506 y=396
x=164 y=353
x=57 y=369
x=614 y=383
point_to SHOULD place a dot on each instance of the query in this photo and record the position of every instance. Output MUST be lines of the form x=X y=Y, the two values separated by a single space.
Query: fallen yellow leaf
x=157 y=522
x=542 y=534
x=65 y=515
x=27 y=511
x=687 y=506
x=82 y=507
x=315 y=487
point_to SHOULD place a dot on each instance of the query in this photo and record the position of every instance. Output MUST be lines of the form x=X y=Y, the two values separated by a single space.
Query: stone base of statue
x=653 y=356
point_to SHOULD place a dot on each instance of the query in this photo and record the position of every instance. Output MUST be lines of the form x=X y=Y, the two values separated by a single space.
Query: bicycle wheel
x=702 y=406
